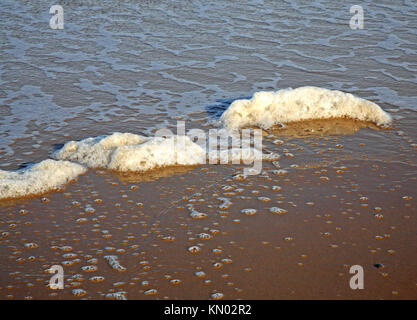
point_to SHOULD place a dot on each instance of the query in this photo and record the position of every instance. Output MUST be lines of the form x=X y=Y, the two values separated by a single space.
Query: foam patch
x=40 y=178
x=266 y=109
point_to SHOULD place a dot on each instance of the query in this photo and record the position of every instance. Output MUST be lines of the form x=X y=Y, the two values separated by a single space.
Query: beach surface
x=342 y=194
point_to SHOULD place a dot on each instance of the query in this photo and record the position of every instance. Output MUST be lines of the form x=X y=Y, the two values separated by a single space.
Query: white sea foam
x=157 y=152
x=266 y=109
x=130 y=152
x=96 y=152
x=42 y=177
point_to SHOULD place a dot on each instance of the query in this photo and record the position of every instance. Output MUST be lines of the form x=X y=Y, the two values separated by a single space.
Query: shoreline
x=303 y=253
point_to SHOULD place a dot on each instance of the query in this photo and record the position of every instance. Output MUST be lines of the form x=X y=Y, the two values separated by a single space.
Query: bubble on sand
x=96 y=279
x=217 y=251
x=280 y=172
x=264 y=199
x=89 y=209
x=79 y=292
x=92 y=261
x=168 y=238
x=217 y=296
x=81 y=220
x=89 y=268
x=116 y=295
x=226 y=203
x=248 y=211
x=278 y=142
x=276 y=210
x=204 y=236
x=114 y=263
x=31 y=245
x=194 y=249
x=276 y=164
x=227 y=261
x=119 y=284
x=240 y=177
x=76 y=203
x=23 y=212
x=150 y=292
x=198 y=215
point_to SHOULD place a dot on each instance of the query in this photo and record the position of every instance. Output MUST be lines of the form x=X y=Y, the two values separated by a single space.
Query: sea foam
x=96 y=152
x=157 y=152
x=266 y=109
x=130 y=152
x=42 y=177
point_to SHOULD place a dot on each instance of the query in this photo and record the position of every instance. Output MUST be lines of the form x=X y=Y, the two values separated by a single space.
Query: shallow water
x=128 y=67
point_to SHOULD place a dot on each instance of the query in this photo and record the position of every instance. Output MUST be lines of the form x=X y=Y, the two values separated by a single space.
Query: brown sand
x=344 y=207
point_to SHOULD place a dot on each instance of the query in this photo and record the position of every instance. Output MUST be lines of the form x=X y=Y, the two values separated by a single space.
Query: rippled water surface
x=133 y=66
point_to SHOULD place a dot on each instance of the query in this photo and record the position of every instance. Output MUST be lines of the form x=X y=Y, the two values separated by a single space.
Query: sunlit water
x=124 y=66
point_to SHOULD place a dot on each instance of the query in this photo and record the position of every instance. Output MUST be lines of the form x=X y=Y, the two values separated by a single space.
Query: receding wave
x=128 y=152
x=124 y=152
x=267 y=109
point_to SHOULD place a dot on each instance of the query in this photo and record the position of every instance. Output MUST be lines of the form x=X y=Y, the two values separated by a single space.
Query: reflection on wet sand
x=326 y=127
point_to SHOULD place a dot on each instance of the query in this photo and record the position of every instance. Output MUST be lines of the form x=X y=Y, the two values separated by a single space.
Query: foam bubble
x=42 y=177
x=114 y=263
x=266 y=109
x=116 y=296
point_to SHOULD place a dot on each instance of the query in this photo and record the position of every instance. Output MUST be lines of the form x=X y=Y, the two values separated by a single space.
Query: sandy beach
x=342 y=193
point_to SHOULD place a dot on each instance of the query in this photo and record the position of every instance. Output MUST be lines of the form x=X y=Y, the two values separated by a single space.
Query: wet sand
x=341 y=208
